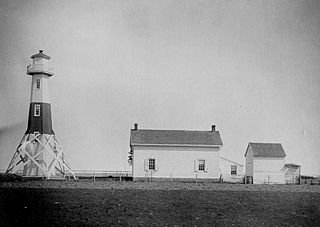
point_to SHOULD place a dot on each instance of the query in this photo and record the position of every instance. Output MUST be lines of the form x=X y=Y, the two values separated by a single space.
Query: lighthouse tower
x=39 y=153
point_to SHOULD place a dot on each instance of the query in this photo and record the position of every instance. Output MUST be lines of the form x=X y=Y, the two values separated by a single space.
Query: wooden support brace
x=35 y=162
x=62 y=163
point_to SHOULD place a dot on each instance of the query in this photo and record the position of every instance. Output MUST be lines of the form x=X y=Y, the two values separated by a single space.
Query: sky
x=249 y=67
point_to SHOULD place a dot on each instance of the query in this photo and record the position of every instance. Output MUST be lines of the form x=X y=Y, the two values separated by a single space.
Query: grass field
x=46 y=203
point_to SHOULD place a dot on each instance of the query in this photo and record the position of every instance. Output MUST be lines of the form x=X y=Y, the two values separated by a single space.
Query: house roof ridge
x=175 y=137
x=182 y=130
x=266 y=150
x=263 y=143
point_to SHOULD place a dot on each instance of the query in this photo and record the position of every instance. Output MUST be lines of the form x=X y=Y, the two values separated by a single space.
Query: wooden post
x=94 y=175
x=299 y=175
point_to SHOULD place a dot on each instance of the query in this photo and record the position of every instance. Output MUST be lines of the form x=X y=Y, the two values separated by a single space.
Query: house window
x=233 y=170
x=152 y=164
x=36 y=110
x=201 y=165
x=38 y=83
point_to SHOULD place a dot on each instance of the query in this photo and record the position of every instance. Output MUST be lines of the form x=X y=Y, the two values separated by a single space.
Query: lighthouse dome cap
x=40 y=55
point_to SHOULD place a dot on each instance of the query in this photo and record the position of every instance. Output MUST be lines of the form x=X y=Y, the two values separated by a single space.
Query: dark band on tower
x=40 y=118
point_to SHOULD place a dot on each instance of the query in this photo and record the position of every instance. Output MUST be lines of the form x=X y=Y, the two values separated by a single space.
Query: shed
x=265 y=162
x=292 y=173
x=175 y=154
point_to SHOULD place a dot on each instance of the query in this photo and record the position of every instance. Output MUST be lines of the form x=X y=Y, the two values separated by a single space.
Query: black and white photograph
x=160 y=113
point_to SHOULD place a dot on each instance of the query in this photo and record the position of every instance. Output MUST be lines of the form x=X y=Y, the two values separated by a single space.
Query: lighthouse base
x=40 y=155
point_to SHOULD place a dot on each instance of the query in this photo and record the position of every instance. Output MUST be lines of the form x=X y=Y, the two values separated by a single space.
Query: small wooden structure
x=292 y=173
x=306 y=179
x=265 y=162
x=231 y=171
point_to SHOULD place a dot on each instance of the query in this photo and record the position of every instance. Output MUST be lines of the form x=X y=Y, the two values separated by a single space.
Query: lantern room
x=40 y=65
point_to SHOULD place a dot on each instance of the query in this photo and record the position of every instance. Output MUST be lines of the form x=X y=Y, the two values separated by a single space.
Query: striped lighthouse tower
x=39 y=153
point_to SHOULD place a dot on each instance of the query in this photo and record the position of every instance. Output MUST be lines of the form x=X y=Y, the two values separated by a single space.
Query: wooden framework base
x=40 y=155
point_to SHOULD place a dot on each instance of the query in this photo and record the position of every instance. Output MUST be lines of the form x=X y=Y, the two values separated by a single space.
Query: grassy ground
x=157 y=204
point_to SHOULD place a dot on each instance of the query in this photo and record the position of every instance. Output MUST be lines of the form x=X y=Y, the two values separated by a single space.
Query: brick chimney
x=213 y=128
x=135 y=126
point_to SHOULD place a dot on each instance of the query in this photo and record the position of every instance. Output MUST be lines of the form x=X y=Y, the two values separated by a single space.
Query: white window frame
x=201 y=165
x=37 y=110
x=147 y=164
x=152 y=164
x=232 y=170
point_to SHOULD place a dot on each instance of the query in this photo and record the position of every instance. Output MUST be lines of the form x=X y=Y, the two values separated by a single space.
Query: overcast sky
x=250 y=67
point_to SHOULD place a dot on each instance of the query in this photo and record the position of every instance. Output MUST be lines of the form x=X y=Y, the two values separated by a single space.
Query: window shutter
x=196 y=166
x=146 y=164
x=156 y=164
x=206 y=166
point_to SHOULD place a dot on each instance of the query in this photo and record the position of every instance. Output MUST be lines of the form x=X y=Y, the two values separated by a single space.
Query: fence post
x=94 y=175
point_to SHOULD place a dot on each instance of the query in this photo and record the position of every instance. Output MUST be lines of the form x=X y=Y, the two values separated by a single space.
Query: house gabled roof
x=266 y=150
x=175 y=138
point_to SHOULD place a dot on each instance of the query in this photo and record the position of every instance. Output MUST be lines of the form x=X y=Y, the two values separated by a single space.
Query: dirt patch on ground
x=48 y=203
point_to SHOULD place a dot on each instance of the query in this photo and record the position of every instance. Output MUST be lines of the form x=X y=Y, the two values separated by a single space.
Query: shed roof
x=291 y=165
x=266 y=150
x=175 y=137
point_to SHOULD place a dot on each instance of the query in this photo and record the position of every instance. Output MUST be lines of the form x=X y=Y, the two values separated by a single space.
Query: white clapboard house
x=175 y=154
x=231 y=171
x=265 y=163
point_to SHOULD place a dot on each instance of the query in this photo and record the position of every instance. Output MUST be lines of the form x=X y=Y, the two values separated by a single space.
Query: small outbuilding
x=175 y=154
x=231 y=171
x=292 y=173
x=265 y=162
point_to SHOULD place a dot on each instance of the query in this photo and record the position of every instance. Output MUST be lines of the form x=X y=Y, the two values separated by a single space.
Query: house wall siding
x=225 y=170
x=175 y=162
x=268 y=170
x=249 y=162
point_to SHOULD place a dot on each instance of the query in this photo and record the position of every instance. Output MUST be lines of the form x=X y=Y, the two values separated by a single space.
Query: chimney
x=40 y=51
x=135 y=126
x=213 y=128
